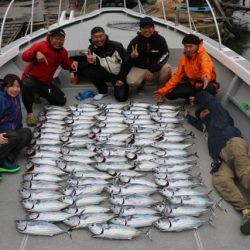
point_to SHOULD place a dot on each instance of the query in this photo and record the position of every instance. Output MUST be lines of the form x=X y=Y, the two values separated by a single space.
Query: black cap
x=191 y=39
x=146 y=21
x=198 y=111
x=57 y=31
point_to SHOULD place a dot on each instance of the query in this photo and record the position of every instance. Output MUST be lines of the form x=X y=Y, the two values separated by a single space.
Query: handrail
x=216 y=24
x=32 y=17
x=163 y=9
x=83 y=9
x=3 y=23
x=189 y=17
x=59 y=11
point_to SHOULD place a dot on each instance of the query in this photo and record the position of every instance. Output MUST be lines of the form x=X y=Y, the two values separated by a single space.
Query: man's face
x=190 y=49
x=204 y=113
x=57 y=41
x=147 y=30
x=98 y=39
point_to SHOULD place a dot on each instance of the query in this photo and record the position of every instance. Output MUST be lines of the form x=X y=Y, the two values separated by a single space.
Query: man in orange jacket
x=195 y=71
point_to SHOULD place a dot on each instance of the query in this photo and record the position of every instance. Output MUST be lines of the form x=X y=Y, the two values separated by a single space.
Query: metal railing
x=84 y=9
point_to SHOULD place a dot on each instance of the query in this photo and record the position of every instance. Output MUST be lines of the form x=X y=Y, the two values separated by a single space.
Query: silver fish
x=86 y=209
x=40 y=185
x=37 y=194
x=83 y=189
x=173 y=153
x=174 y=168
x=77 y=152
x=140 y=157
x=175 y=161
x=92 y=174
x=169 y=145
x=85 y=181
x=176 y=183
x=172 y=192
x=194 y=200
x=86 y=199
x=70 y=167
x=43 y=154
x=113 y=159
x=46 y=169
x=111 y=231
x=44 y=160
x=136 y=220
x=76 y=158
x=132 y=200
x=137 y=180
x=38 y=228
x=179 y=223
x=176 y=210
x=125 y=173
x=43 y=205
x=114 y=165
x=129 y=189
x=49 y=216
x=146 y=166
x=82 y=221
x=42 y=177
x=175 y=176
x=132 y=210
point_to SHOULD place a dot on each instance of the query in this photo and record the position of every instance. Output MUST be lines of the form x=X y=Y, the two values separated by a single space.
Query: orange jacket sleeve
x=207 y=67
x=174 y=81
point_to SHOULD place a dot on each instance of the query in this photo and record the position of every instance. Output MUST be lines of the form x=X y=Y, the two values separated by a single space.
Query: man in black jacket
x=148 y=54
x=229 y=151
x=107 y=63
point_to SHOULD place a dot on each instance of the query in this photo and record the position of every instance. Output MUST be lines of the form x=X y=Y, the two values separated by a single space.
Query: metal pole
x=189 y=17
x=3 y=23
x=100 y=4
x=32 y=17
x=163 y=9
x=124 y=4
x=59 y=10
x=139 y=5
x=216 y=23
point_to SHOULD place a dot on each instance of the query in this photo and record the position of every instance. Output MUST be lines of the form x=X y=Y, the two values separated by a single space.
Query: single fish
x=83 y=189
x=129 y=189
x=46 y=169
x=74 y=210
x=138 y=220
x=193 y=200
x=38 y=228
x=137 y=180
x=49 y=216
x=111 y=231
x=40 y=185
x=172 y=192
x=42 y=177
x=37 y=194
x=179 y=223
x=82 y=221
x=132 y=210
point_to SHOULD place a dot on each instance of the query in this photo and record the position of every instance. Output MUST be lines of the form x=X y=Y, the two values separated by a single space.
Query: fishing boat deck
x=224 y=235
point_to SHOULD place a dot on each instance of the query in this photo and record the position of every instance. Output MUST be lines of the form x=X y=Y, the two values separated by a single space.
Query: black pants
x=51 y=93
x=100 y=76
x=186 y=89
x=16 y=141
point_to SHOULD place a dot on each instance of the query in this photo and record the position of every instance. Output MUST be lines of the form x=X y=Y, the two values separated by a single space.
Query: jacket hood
x=201 y=47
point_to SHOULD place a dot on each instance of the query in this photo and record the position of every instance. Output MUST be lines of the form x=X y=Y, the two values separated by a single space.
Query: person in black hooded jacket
x=106 y=62
x=148 y=54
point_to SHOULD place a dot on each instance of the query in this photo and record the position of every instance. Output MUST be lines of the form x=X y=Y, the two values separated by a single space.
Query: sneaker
x=98 y=97
x=245 y=226
x=8 y=167
x=31 y=120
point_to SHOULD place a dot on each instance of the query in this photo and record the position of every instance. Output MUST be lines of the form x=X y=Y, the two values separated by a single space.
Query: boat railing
x=140 y=8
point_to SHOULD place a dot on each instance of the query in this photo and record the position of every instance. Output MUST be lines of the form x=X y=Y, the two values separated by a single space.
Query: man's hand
x=149 y=76
x=186 y=112
x=158 y=97
x=134 y=53
x=91 y=59
x=74 y=66
x=119 y=83
x=41 y=58
x=205 y=82
x=192 y=100
x=3 y=139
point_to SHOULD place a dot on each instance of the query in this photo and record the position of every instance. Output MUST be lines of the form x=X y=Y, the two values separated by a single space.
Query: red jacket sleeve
x=30 y=54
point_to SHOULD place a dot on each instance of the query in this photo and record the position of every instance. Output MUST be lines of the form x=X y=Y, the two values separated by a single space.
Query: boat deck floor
x=224 y=235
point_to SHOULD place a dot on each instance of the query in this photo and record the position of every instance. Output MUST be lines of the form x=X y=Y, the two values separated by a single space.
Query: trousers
x=32 y=86
x=235 y=167
x=16 y=141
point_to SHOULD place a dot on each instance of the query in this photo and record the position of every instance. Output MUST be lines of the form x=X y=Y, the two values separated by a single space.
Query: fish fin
x=219 y=204
x=196 y=155
x=69 y=232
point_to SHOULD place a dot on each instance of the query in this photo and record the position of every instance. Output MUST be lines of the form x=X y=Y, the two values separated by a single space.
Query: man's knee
x=26 y=135
x=221 y=182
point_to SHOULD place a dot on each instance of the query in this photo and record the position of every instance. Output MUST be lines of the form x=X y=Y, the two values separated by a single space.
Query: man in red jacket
x=44 y=58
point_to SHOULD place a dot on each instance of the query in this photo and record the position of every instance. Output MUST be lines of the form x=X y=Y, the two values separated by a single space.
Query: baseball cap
x=146 y=21
x=57 y=31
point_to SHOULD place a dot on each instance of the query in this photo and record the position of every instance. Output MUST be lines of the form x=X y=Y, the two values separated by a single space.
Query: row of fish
x=84 y=155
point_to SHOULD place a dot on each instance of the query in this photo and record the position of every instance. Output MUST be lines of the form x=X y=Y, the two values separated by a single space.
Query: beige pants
x=137 y=75
x=235 y=166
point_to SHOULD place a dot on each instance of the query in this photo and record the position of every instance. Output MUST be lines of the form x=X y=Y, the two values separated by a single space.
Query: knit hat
x=191 y=39
x=57 y=31
x=146 y=21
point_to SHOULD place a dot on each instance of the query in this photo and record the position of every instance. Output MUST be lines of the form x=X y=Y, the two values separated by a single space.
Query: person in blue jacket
x=229 y=151
x=13 y=137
